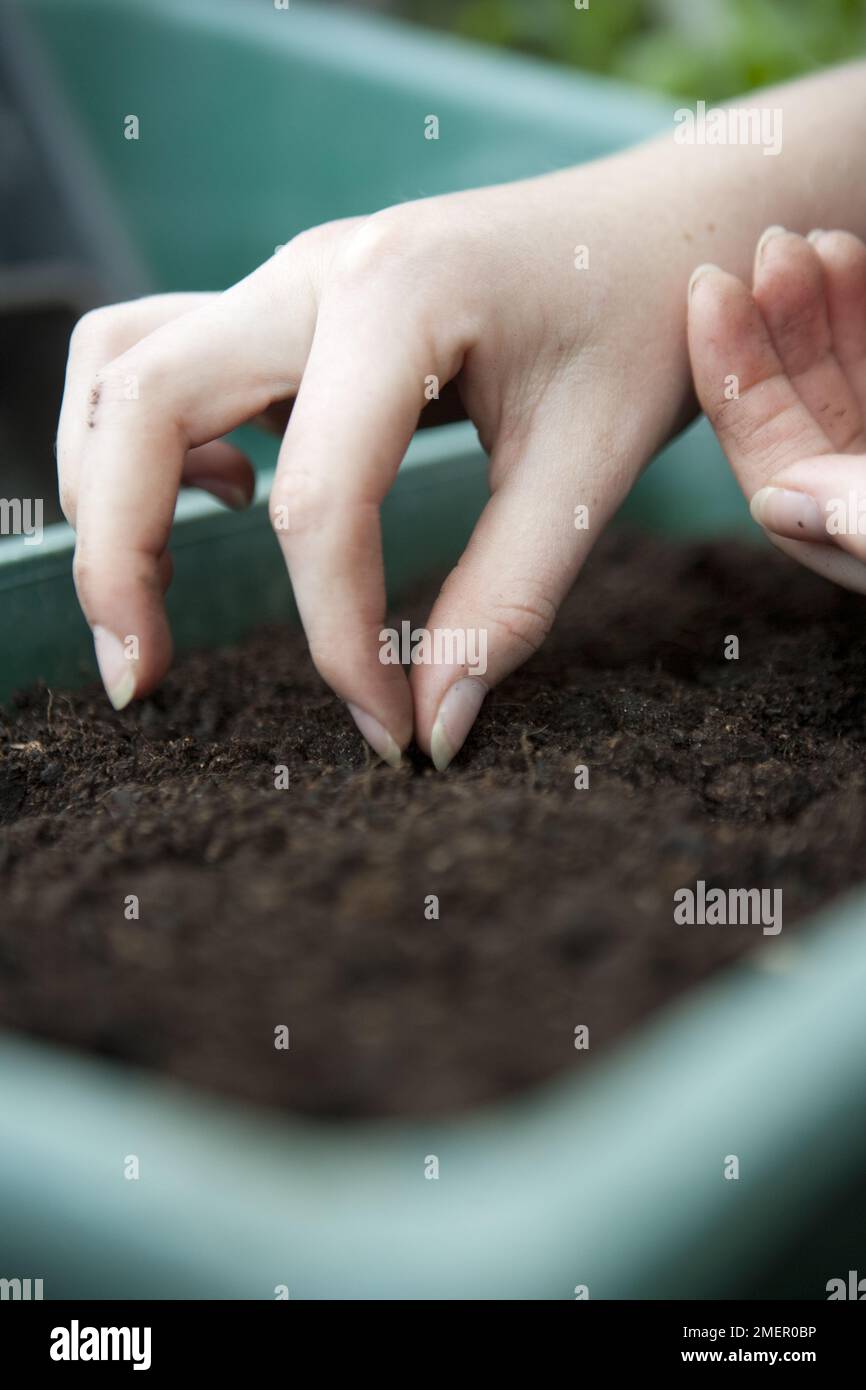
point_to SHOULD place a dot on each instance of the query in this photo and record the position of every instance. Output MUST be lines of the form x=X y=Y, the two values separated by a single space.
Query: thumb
x=816 y=511
x=782 y=458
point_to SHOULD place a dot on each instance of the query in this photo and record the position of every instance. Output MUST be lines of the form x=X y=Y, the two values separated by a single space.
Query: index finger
x=193 y=380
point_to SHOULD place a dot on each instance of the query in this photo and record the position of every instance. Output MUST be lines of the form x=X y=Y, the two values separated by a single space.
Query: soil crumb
x=313 y=906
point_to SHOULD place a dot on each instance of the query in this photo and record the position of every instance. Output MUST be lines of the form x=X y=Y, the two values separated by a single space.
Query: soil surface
x=305 y=907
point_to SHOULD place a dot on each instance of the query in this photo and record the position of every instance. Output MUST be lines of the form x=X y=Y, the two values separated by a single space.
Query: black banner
x=158 y=1339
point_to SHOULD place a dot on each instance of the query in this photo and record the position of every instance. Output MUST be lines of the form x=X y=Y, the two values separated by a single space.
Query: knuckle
x=744 y=426
x=99 y=330
x=797 y=330
x=152 y=375
x=729 y=420
x=312 y=252
x=298 y=503
x=139 y=376
x=89 y=328
x=525 y=622
x=308 y=242
x=384 y=237
x=112 y=565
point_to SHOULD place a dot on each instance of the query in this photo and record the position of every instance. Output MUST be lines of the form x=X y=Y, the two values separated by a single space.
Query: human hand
x=558 y=366
x=574 y=369
x=795 y=433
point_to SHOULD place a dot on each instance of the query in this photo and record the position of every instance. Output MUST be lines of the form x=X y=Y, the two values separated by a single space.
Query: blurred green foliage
x=710 y=49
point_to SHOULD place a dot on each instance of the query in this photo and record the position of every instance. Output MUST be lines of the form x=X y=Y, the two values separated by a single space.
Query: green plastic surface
x=255 y=123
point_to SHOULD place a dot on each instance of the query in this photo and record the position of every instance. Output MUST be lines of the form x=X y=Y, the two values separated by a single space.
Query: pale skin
x=795 y=432
x=573 y=378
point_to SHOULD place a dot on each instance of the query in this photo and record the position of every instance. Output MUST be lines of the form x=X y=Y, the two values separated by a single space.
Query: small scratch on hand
x=93 y=404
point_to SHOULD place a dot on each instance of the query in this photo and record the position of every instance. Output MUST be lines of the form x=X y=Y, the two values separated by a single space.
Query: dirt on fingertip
x=430 y=941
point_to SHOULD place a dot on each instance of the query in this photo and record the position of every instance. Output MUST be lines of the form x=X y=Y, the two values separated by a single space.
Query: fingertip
x=236 y=498
x=131 y=636
x=118 y=668
x=701 y=272
x=377 y=736
x=127 y=667
x=788 y=512
x=769 y=234
x=222 y=470
x=721 y=309
x=455 y=717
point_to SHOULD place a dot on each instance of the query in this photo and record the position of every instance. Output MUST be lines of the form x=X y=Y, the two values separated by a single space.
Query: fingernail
x=457 y=713
x=376 y=735
x=766 y=237
x=115 y=667
x=232 y=496
x=696 y=274
x=788 y=513
x=816 y=235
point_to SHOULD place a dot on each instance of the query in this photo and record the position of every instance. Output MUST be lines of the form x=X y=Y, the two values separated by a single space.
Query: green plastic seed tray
x=254 y=123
